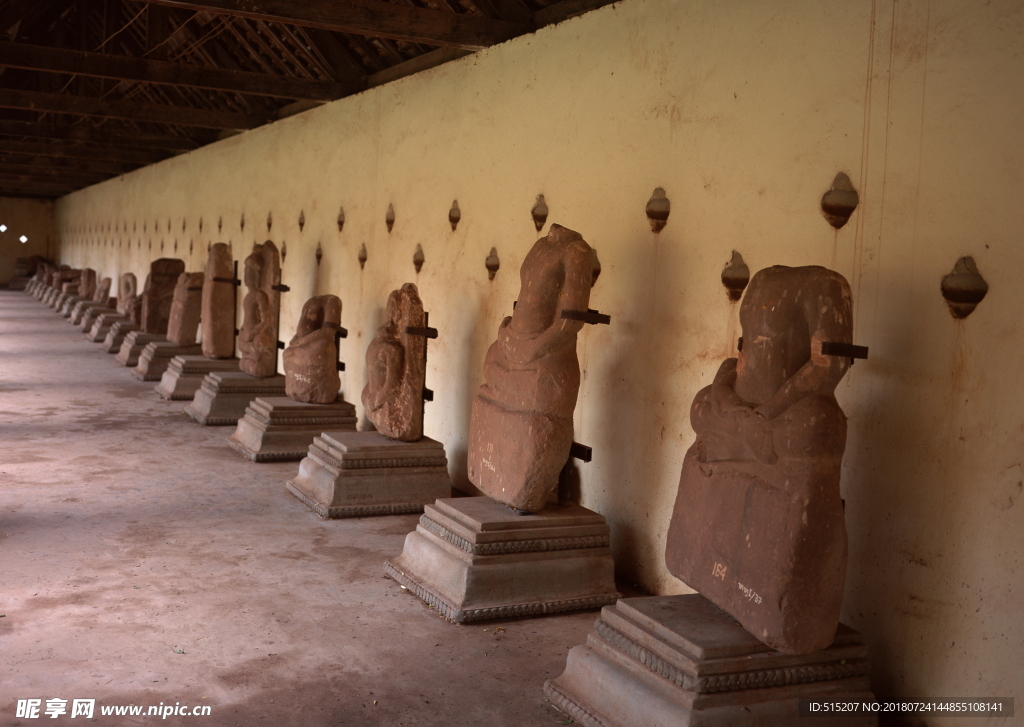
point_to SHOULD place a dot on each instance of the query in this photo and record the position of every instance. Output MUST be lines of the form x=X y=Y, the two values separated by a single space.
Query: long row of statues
x=757 y=528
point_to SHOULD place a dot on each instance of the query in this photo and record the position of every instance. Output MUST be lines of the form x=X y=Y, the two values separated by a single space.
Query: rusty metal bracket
x=590 y=316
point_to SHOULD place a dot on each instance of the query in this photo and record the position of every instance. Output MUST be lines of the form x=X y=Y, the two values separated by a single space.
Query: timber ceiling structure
x=91 y=89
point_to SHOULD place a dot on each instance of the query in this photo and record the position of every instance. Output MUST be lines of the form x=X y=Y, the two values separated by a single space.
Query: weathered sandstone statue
x=102 y=294
x=127 y=292
x=520 y=428
x=158 y=294
x=758 y=523
x=396 y=369
x=218 y=305
x=183 y=322
x=311 y=359
x=87 y=284
x=257 y=339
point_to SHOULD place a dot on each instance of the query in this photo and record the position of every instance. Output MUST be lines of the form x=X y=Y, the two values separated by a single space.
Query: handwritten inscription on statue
x=718 y=571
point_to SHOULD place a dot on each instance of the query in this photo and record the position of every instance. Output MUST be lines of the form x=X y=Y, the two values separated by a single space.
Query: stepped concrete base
x=223 y=397
x=680 y=661
x=92 y=314
x=79 y=310
x=135 y=343
x=355 y=474
x=474 y=559
x=116 y=335
x=280 y=429
x=185 y=374
x=156 y=357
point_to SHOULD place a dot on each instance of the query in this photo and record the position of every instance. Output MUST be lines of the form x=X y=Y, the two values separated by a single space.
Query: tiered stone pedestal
x=356 y=474
x=474 y=559
x=79 y=309
x=134 y=344
x=280 y=429
x=680 y=661
x=69 y=305
x=223 y=397
x=117 y=333
x=157 y=356
x=91 y=315
x=185 y=374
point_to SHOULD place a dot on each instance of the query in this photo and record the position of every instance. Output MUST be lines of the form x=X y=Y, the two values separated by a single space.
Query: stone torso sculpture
x=126 y=293
x=159 y=293
x=521 y=422
x=185 y=306
x=102 y=294
x=257 y=339
x=218 y=305
x=396 y=369
x=311 y=359
x=87 y=284
x=758 y=524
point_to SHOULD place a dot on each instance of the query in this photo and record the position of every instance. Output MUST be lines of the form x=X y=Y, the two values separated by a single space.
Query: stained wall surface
x=31 y=218
x=743 y=112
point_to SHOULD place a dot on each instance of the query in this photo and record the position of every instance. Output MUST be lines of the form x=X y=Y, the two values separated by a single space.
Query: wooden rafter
x=78 y=151
x=101 y=65
x=117 y=109
x=370 y=17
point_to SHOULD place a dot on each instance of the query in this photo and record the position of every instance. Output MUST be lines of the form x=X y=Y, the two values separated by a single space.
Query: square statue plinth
x=475 y=559
x=89 y=315
x=156 y=357
x=223 y=397
x=185 y=374
x=280 y=429
x=680 y=661
x=134 y=344
x=356 y=474
x=117 y=333
x=99 y=327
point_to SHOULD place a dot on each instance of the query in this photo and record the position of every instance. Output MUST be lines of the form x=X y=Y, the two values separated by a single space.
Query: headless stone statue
x=87 y=284
x=218 y=305
x=102 y=294
x=758 y=524
x=396 y=369
x=185 y=307
x=127 y=292
x=520 y=429
x=159 y=293
x=257 y=339
x=311 y=359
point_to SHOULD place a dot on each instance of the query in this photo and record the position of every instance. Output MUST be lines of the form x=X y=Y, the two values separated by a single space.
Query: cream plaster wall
x=32 y=218
x=743 y=112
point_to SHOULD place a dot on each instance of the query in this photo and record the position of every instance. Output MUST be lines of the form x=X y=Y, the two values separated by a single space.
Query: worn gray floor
x=128 y=535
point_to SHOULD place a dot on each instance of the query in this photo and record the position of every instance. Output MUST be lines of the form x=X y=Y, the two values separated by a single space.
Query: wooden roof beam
x=100 y=135
x=116 y=109
x=70 y=150
x=143 y=70
x=370 y=17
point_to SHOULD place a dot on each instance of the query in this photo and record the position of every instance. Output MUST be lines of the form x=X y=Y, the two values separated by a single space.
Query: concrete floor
x=143 y=561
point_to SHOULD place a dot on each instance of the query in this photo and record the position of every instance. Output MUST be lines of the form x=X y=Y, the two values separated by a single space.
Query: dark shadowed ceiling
x=90 y=89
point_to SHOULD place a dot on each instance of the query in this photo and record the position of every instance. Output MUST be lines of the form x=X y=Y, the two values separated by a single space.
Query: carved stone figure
x=257 y=339
x=183 y=322
x=102 y=294
x=520 y=429
x=127 y=292
x=396 y=369
x=311 y=359
x=218 y=305
x=158 y=294
x=87 y=284
x=758 y=523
